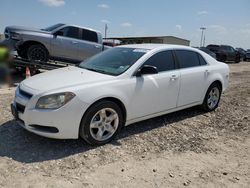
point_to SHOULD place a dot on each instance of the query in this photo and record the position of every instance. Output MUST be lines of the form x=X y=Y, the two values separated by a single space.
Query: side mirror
x=147 y=69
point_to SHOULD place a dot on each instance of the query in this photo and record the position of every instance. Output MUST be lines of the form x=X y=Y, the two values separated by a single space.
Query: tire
x=37 y=52
x=237 y=60
x=101 y=123
x=210 y=104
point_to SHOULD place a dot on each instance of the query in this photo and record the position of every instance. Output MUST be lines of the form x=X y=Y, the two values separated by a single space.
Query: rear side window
x=163 y=61
x=187 y=58
x=202 y=60
x=89 y=35
x=71 y=32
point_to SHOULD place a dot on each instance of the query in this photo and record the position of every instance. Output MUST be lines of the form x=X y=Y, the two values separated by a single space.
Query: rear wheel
x=101 y=123
x=212 y=98
x=37 y=52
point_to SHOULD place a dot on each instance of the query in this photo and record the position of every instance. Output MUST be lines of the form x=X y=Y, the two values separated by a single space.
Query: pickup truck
x=225 y=53
x=64 y=42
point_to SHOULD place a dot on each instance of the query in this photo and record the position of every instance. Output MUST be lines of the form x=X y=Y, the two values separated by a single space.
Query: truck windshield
x=53 y=27
x=114 y=61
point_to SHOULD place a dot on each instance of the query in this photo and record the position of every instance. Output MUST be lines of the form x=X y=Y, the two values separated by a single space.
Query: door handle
x=173 y=77
x=207 y=72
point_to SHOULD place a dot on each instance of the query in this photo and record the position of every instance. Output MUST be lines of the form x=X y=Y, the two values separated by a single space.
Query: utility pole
x=202 y=32
x=204 y=40
x=106 y=30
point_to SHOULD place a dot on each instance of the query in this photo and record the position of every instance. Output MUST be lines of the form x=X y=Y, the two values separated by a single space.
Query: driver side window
x=70 y=32
x=163 y=61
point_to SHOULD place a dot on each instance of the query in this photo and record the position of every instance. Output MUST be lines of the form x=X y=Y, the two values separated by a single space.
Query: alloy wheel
x=104 y=124
x=213 y=98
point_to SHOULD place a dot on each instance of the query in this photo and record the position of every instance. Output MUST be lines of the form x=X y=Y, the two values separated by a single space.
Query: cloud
x=203 y=12
x=105 y=21
x=104 y=6
x=179 y=27
x=126 y=24
x=53 y=3
x=219 y=29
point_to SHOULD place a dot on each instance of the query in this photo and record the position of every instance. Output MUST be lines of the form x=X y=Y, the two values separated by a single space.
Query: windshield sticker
x=141 y=50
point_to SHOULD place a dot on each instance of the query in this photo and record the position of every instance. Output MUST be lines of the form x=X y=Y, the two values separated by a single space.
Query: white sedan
x=118 y=87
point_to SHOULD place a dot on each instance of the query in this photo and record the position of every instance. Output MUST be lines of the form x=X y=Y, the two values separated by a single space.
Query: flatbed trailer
x=35 y=66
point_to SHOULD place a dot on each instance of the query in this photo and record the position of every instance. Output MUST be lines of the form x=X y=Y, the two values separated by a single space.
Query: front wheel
x=37 y=52
x=101 y=123
x=237 y=59
x=212 y=98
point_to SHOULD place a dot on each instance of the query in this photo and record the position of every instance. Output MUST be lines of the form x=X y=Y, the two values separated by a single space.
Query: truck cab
x=63 y=42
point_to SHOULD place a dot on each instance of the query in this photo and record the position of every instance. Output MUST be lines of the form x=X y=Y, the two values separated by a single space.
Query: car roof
x=150 y=46
x=156 y=47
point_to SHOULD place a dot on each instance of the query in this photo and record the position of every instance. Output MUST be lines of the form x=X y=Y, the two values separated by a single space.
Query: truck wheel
x=237 y=60
x=37 y=52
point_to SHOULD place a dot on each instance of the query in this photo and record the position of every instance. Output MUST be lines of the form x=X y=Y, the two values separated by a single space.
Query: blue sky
x=227 y=21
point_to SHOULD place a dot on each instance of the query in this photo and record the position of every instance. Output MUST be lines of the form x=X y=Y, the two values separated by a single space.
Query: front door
x=65 y=43
x=156 y=92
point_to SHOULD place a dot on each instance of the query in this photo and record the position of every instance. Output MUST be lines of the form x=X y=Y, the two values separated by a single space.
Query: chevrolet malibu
x=118 y=87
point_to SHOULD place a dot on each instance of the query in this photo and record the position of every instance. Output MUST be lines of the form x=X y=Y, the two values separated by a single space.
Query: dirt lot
x=188 y=148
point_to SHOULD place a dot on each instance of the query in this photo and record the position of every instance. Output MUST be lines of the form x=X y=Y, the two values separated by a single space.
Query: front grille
x=25 y=94
x=20 y=107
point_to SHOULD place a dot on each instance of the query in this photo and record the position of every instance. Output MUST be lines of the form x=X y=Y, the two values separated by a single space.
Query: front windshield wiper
x=97 y=70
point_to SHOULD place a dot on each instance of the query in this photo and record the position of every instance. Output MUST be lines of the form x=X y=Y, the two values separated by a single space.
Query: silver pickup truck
x=63 y=42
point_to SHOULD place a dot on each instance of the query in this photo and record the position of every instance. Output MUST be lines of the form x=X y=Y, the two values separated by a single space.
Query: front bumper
x=11 y=44
x=62 y=123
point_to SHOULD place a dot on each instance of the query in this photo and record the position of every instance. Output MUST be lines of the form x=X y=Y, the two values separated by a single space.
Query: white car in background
x=118 y=87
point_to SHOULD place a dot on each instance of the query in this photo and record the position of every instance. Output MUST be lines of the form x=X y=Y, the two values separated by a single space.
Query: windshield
x=53 y=27
x=114 y=61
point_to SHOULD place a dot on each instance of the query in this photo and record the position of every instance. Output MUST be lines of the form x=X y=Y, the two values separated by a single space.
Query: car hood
x=62 y=78
x=22 y=28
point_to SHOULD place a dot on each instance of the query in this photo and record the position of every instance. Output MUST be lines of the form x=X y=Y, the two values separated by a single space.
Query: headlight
x=15 y=36
x=54 y=101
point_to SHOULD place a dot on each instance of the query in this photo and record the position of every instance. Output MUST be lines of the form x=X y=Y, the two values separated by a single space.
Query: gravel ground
x=187 y=148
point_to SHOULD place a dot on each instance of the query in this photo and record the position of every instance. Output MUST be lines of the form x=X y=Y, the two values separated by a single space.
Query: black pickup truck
x=225 y=53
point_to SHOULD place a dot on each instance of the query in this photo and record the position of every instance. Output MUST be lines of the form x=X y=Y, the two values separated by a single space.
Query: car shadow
x=23 y=146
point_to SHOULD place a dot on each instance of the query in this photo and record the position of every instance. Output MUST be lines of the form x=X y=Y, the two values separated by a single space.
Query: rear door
x=193 y=76
x=88 y=45
x=65 y=43
x=156 y=93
